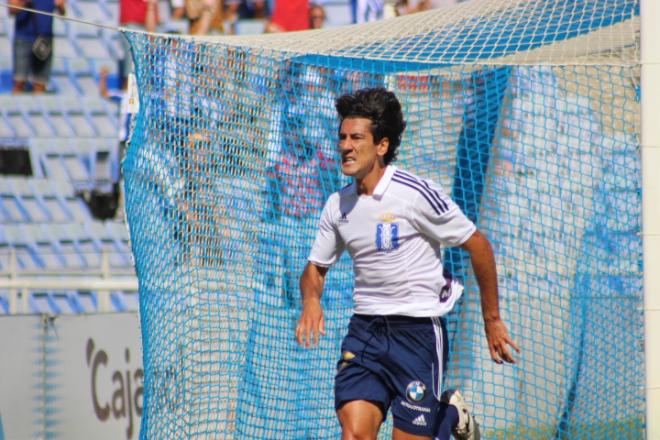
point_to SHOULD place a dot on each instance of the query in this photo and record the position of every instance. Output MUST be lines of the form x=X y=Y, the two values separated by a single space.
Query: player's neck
x=367 y=184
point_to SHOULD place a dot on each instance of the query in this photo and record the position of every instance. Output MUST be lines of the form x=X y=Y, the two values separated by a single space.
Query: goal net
x=526 y=112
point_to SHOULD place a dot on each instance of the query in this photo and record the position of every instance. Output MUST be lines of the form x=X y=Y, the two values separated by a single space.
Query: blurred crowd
x=209 y=17
x=33 y=34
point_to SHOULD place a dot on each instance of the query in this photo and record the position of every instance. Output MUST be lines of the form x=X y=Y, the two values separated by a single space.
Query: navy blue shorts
x=397 y=361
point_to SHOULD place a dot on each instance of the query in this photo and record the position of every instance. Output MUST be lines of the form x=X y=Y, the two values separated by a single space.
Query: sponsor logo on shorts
x=415 y=391
x=415 y=407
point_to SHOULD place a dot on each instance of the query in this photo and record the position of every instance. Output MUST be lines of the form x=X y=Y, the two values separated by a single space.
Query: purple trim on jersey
x=437 y=197
x=427 y=193
x=420 y=190
x=435 y=193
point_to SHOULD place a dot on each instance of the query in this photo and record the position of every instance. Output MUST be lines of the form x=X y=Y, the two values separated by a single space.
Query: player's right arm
x=311 y=323
x=327 y=248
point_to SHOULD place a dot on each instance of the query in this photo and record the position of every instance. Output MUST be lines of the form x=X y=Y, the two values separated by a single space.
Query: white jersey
x=394 y=238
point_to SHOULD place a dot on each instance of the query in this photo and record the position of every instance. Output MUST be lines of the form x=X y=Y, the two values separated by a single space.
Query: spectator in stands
x=33 y=43
x=139 y=15
x=205 y=16
x=178 y=22
x=113 y=199
x=246 y=8
x=316 y=16
x=302 y=173
x=289 y=15
x=369 y=10
x=298 y=176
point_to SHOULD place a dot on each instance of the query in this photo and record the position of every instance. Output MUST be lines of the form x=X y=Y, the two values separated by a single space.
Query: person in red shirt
x=291 y=15
x=139 y=15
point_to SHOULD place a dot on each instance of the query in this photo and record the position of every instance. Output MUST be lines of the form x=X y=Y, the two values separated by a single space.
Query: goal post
x=650 y=68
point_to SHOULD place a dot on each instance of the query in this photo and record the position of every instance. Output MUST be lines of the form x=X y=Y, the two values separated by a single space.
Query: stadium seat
x=20 y=126
x=61 y=85
x=31 y=205
x=87 y=301
x=64 y=47
x=117 y=301
x=337 y=12
x=4 y=302
x=113 y=7
x=250 y=26
x=117 y=235
x=61 y=28
x=86 y=162
x=13 y=209
x=53 y=303
x=93 y=11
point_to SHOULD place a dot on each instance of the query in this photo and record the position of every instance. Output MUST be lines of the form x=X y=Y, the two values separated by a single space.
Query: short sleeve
x=328 y=245
x=439 y=218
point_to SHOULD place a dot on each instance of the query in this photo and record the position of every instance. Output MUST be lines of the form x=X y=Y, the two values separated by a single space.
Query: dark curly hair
x=383 y=109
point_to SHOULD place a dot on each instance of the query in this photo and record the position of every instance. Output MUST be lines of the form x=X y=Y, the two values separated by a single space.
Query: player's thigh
x=360 y=419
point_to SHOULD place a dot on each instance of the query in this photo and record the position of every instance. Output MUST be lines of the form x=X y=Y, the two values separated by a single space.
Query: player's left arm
x=483 y=263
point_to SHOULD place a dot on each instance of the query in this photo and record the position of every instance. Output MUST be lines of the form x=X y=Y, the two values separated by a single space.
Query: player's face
x=359 y=154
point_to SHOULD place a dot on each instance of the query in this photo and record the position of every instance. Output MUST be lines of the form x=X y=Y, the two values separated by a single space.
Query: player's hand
x=499 y=342
x=311 y=324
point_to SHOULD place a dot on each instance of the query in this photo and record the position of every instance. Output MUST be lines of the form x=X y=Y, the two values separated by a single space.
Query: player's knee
x=358 y=428
x=355 y=431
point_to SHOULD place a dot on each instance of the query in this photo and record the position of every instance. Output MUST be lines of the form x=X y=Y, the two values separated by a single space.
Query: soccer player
x=392 y=223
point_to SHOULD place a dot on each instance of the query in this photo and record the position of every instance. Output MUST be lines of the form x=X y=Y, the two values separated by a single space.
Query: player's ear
x=383 y=146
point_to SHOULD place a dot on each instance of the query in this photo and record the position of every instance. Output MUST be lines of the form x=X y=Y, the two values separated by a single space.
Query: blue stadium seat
x=15 y=124
x=132 y=301
x=12 y=209
x=53 y=303
x=87 y=301
x=86 y=162
x=61 y=27
x=65 y=47
x=112 y=43
x=4 y=302
x=338 y=12
x=250 y=26
x=94 y=47
x=93 y=11
x=20 y=189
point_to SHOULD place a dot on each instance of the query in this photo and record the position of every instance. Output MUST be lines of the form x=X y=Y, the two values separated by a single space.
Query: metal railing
x=103 y=280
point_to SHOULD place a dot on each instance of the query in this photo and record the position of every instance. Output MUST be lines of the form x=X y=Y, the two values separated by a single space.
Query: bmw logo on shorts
x=415 y=391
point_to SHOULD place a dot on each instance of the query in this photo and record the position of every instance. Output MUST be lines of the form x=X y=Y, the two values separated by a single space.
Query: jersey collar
x=384 y=182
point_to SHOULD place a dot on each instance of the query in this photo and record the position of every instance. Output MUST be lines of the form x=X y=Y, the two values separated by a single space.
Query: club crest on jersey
x=388 y=217
x=415 y=391
x=387 y=236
